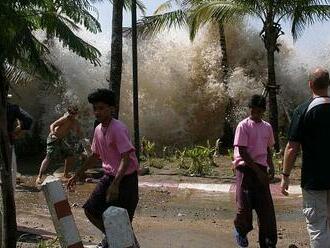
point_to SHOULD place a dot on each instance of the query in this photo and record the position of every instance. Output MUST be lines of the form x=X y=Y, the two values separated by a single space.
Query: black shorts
x=128 y=196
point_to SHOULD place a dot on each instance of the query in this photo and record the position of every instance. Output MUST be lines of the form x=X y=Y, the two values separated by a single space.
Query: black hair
x=102 y=95
x=257 y=101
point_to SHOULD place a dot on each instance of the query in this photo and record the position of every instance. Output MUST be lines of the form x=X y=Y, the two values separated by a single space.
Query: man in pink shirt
x=253 y=161
x=111 y=143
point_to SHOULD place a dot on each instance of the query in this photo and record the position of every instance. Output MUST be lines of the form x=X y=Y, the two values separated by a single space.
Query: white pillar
x=61 y=213
x=118 y=228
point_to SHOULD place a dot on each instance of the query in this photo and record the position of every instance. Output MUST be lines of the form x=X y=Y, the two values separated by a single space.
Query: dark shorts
x=128 y=196
x=58 y=148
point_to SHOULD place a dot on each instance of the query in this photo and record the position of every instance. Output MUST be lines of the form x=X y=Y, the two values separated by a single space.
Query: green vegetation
x=193 y=161
x=198 y=160
x=48 y=244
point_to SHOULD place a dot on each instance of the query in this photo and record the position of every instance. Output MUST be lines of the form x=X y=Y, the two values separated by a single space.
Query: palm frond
x=55 y=27
x=216 y=11
x=79 y=13
x=16 y=75
x=151 y=25
x=167 y=6
x=303 y=16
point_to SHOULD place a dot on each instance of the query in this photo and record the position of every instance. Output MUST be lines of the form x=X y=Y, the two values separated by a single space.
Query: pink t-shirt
x=256 y=137
x=110 y=143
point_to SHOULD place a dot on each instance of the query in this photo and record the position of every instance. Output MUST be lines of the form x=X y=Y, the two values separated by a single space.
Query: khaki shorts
x=316 y=209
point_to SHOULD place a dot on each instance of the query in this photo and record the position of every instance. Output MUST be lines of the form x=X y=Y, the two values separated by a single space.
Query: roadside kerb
x=213 y=187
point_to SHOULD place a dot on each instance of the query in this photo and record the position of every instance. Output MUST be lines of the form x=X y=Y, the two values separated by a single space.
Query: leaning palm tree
x=23 y=54
x=300 y=13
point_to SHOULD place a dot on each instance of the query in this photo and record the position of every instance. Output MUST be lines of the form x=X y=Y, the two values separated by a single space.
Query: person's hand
x=18 y=133
x=72 y=183
x=285 y=182
x=271 y=173
x=112 y=192
x=53 y=135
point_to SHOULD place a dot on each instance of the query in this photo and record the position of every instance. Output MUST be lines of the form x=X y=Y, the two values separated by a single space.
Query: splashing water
x=182 y=98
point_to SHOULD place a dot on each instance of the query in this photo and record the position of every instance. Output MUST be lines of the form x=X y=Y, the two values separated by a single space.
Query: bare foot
x=39 y=181
x=66 y=175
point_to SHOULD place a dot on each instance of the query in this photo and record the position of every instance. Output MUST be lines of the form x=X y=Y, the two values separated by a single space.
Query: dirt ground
x=164 y=218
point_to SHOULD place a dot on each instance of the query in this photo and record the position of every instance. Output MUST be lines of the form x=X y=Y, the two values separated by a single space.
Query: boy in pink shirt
x=253 y=163
x=111 y=143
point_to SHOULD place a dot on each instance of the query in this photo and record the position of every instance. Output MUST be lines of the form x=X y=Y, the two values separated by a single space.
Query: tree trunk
x=135 y=82
x=116 y=51
x=227 y=138
x=272 y=89
x=224 y=59
x=9 y=226
x=271 y=32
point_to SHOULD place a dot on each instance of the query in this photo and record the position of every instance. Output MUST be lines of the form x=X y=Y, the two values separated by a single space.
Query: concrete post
x=61 y=213
x=118 y=228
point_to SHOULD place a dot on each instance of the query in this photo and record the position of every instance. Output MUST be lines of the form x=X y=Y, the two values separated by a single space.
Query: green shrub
x=198 y=161
x=148 y=148
x=231 y=153
x=48 y=244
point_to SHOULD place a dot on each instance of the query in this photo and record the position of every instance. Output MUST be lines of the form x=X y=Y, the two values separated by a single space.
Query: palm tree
x=22 y=54
x=300 y=13
x=177 y=13
x=116 y=58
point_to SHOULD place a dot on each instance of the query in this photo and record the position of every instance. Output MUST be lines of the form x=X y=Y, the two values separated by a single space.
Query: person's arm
x=290 y=155
x=270 y=163
x=122 y=168
x=125 y=147
x=248 y=161
x=113 y=190
x=295 y=137
x=89 y=163
x=24 y=119
x=57 y=123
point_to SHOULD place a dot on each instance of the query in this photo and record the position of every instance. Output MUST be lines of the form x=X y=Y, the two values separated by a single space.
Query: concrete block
x=118 y=228
x=61 y=213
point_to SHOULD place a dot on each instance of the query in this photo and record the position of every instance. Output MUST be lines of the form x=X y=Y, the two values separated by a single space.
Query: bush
x=198 y=161
x=148 y=148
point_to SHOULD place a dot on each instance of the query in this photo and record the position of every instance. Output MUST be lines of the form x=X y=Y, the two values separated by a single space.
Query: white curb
x=219 y=188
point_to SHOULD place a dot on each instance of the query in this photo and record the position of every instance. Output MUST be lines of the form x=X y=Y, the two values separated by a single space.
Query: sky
x=310 y=44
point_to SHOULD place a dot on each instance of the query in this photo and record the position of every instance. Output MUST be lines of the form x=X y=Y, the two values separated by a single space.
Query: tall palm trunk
x=272 y=89
x=224 y=59
x=116 y=51
x=228 y=133
x=271 y=34
x=8 y=225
